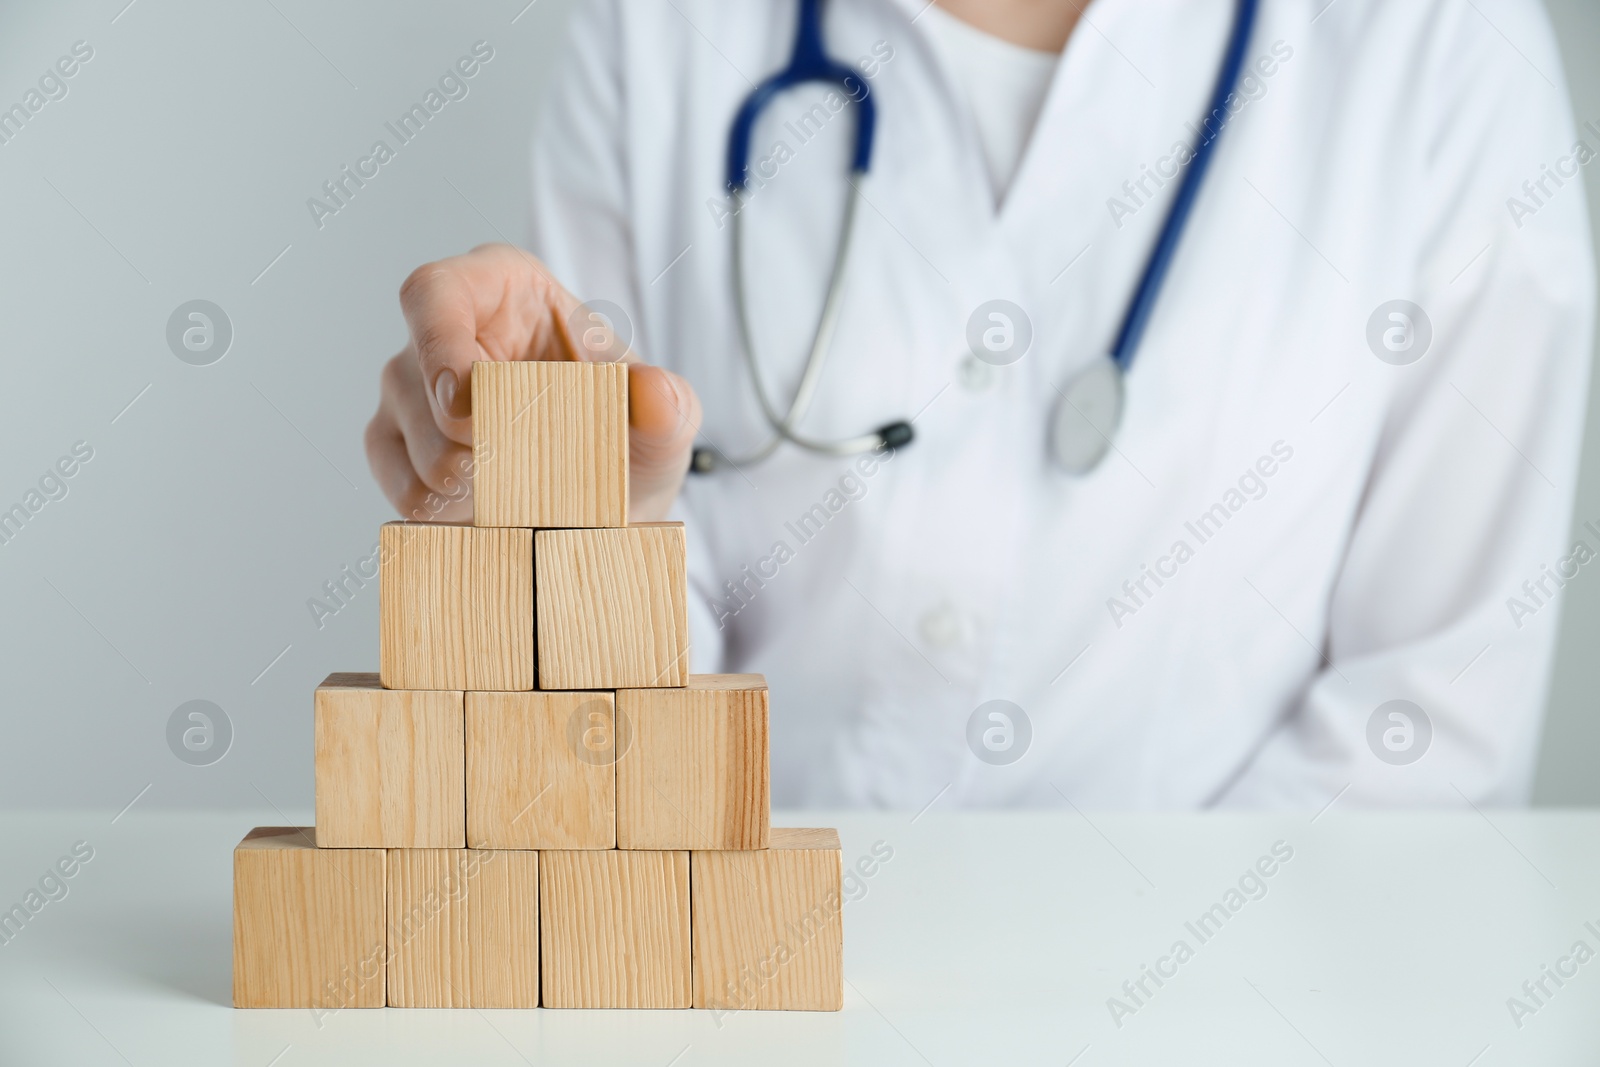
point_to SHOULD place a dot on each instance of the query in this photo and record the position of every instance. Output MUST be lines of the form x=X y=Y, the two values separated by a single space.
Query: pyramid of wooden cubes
x=533 y=802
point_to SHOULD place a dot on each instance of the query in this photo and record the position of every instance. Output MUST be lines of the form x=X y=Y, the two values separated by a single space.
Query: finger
x=411 y=497
x=438 y=507
x=443 y=465
x=391 y=467
x=571 y=330
x=494 y=303
x=663 y=418
x=440 y=311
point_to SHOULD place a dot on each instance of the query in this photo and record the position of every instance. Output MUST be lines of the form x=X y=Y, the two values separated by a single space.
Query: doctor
x=1317 y=552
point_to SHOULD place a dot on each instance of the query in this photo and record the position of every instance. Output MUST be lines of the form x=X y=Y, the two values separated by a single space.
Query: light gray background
x=179 y=565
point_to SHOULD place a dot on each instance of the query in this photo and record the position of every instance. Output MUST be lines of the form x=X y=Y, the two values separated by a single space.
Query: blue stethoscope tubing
x=1086 y=419
x=808 y=62
x=1089 y=411
x=1143 y=304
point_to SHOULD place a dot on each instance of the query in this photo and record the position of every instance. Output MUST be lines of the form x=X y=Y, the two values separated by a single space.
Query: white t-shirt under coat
x=1004 y=85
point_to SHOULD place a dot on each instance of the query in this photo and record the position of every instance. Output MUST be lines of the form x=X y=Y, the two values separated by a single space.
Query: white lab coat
x=1405 y=506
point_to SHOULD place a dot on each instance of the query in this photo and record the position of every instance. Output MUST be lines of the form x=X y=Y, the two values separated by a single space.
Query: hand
x=499 y=303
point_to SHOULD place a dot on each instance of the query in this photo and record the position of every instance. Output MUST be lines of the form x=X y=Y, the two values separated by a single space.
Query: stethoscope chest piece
x=1085 y=421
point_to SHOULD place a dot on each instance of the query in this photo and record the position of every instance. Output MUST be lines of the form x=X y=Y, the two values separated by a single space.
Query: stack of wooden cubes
x=533 y=802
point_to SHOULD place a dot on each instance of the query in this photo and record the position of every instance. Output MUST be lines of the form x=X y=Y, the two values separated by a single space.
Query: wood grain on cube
x=550 y=444
x=463 y=928
x=613 y=607
x=540 y=770
x=768 y=925
x=427 y=928
x=390 y=765
x=503 y=930
x=614 y=929
x=695 y=773
x=307 y=922
x=456 y=607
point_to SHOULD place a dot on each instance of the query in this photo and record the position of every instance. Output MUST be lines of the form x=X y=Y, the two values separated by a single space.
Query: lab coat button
x=974 y=374
x=941 y=626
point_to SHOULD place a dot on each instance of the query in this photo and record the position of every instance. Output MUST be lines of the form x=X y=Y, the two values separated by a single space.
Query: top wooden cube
x=550 y=444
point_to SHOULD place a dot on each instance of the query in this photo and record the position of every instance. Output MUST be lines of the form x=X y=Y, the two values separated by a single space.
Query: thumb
x=663 y=419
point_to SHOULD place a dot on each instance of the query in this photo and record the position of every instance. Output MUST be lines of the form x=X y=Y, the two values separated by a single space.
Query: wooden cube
x=307 y=922
x=540 y=770
x=427 y=928
x=695 y=773
x=390 y=766
x=503 y=931
x=613 y=607
x=614 y=929
x=550 y=444
x=768 y=928
x=463 y=928
x=456 y=607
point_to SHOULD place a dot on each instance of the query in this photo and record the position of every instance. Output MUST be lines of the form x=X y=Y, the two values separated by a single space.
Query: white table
x=986 y=939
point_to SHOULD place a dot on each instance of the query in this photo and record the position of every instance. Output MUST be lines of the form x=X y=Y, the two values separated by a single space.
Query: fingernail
x=445 y=387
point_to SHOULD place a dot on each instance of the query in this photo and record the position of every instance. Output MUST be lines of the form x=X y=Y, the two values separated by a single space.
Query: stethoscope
x=1090 y=407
